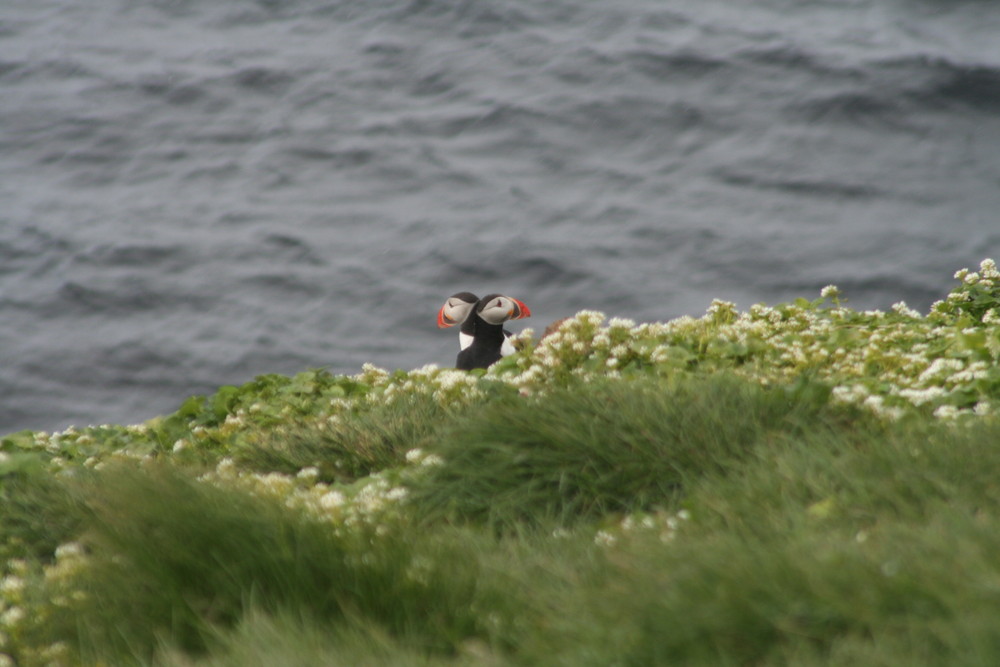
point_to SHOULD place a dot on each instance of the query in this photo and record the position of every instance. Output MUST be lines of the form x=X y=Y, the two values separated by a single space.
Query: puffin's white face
x=456 y=309
x=497 y=309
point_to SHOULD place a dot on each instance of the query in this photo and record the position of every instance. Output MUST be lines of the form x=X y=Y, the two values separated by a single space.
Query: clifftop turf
x=778 y=485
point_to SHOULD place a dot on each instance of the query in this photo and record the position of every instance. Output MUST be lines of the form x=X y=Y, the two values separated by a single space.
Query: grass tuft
x=345 y=448
x=593 y=448
x=172 y=560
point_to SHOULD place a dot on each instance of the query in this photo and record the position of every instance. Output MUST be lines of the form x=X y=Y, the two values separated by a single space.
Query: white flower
x=830 y=292
x=946 y=412
x=527 y=333
x=69 y=550
x=874 y=402
x=12 y=617
x=54 y=654
x=396 y=493
x=432 y=460
x=308 y=473
x=921 y=396
x=11 y=584
x=372 y=374
x=331 y=499
x=448 y=379
x=425 y=370
x=718 y=307
x=226 y=468
x=849 y=393
x=901 y=308
x=938 y=367
x=604 y=539
x=17 y=565
x=594 y=317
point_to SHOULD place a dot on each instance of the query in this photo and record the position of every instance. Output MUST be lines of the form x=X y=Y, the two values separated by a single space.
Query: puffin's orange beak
x=443 y=320
x=520 y=311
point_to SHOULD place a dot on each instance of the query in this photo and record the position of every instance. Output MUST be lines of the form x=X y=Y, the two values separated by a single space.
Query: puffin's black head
x=456 y=309
x=497 y=309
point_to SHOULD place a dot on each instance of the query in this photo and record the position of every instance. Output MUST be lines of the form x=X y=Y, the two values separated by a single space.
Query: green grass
x=817 y=535
x=350 y=446
x=820 y=552
x=589 y=449
x=799 y=485
x=288 y=639
x=175 y=560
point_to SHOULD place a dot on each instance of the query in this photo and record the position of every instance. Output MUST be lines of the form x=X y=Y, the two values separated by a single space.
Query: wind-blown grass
x=813 y=557
x=821 y=537
x=590 y=449
x=798 y=484
x=169 y=559
x=345 y=447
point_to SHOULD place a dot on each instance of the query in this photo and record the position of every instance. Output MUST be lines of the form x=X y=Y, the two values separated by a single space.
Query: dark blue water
x=195 y=192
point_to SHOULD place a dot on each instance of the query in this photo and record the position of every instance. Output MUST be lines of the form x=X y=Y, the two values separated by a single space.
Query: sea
x=197 y=192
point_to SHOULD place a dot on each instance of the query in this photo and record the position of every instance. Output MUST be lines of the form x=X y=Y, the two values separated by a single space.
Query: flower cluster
x=89 y=446
x=368 y=503
x=977 y=298
x=889 y=362
x=30 y=596
x=448 y=386
x=893 y=362
x=664 y=525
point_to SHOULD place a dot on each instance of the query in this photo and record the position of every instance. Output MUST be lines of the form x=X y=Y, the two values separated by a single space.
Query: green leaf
x=192 y=406
x=21 y=463
x=223 y=400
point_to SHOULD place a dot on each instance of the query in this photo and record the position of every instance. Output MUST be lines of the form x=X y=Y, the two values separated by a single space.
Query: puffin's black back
x=487 y=339
x=485 y=348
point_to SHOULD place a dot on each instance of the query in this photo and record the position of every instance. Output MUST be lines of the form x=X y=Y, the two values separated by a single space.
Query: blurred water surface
x=195 y=192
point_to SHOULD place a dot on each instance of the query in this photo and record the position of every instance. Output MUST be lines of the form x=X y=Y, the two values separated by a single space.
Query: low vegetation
x=796 y=484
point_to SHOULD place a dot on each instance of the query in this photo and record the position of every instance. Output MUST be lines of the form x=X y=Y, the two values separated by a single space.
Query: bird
x=488 y=336
x=482 y=339
x=456 y=310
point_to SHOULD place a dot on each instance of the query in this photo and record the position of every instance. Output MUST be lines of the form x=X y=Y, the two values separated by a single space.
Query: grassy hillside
x=797 y=484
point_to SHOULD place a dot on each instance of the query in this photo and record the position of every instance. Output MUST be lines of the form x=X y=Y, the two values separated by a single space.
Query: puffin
x=456 y=310
x=488 y=335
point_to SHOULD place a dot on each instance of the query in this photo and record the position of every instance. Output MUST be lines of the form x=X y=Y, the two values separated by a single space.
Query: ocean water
x=195 y=192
